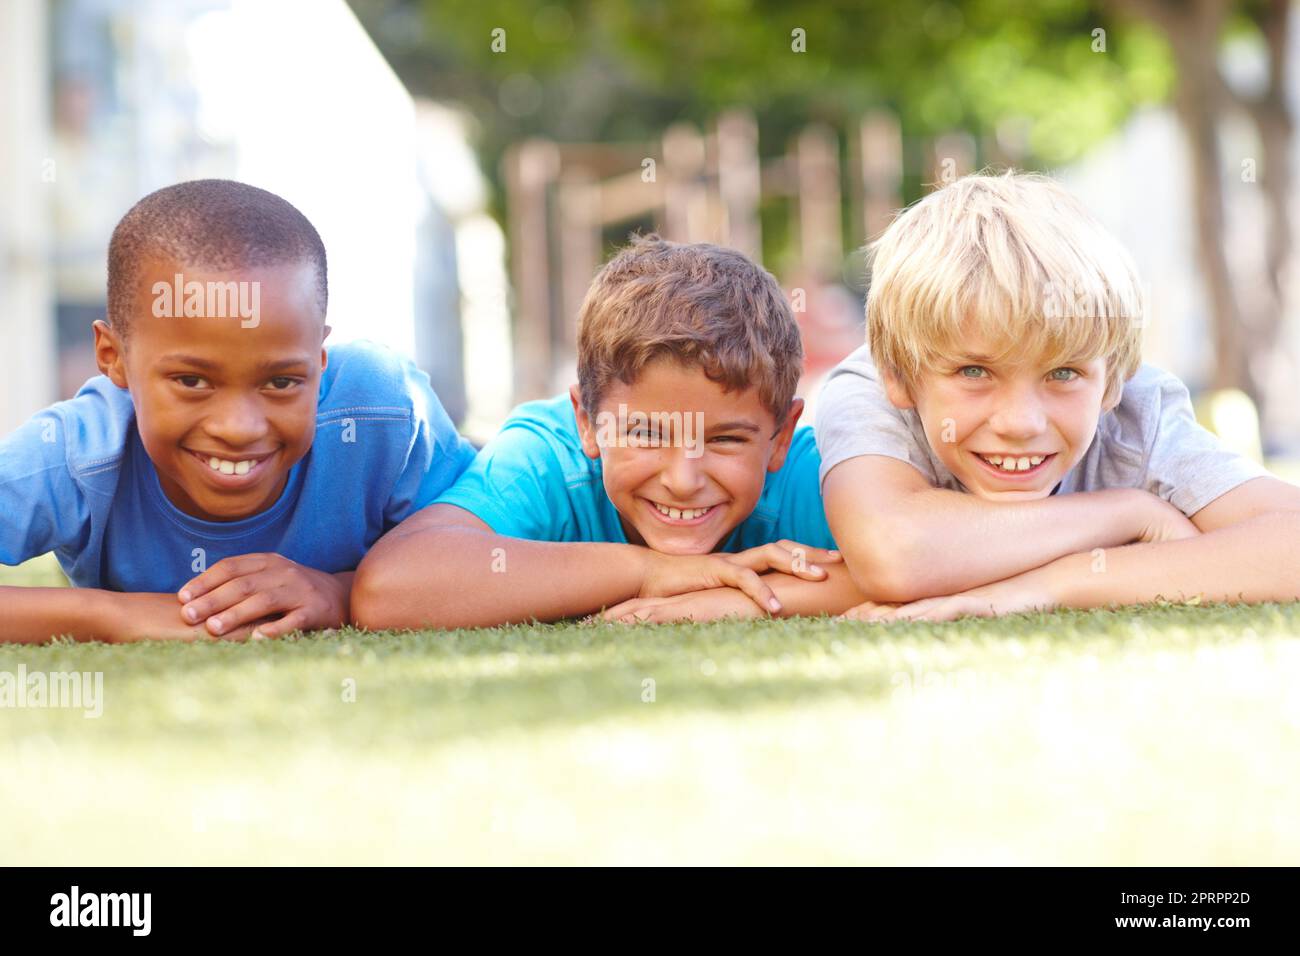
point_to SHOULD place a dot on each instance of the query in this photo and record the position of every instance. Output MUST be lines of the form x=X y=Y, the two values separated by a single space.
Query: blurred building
x=106 y=100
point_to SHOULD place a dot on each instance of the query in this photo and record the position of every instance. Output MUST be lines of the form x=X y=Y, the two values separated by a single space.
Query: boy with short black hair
x=226 y=473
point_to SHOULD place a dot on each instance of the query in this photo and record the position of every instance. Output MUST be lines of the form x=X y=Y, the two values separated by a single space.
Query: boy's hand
x=1031 y=591
x=255 y=588
x=669 y=574
x=693 y=606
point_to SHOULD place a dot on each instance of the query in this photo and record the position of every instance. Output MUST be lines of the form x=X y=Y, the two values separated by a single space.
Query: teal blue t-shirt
x=534 y=481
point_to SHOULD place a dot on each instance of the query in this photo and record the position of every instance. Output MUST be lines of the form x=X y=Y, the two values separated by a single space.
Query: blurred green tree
x=1037 y=82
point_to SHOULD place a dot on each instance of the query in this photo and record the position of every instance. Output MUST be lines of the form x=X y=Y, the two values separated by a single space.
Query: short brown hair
x=698 y=303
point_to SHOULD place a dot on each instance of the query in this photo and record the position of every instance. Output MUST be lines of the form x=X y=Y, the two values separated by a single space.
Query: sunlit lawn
x=1163 y=735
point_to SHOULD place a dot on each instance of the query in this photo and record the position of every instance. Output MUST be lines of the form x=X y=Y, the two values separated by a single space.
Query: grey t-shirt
x=1150 y=440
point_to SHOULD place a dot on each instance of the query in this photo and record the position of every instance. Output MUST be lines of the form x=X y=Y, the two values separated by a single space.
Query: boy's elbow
x=886 y=570
x=378 y=602
x=369 y=605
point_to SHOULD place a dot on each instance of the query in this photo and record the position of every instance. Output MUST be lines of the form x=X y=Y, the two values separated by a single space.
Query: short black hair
x=213 y=224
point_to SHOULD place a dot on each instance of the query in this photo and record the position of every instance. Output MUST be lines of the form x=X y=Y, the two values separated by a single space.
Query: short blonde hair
x=1014 y=258
x=698 y=303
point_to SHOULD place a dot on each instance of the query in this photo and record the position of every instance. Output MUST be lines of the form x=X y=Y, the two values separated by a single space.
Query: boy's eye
x=191 y=381
x=729 y=439
x=973 y=371
x=282 y=383
x=1063 y=374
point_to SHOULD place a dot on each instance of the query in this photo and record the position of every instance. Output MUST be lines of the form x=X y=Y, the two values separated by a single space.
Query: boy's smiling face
x=1008 y=428
x=677 y=490
x=224 y=411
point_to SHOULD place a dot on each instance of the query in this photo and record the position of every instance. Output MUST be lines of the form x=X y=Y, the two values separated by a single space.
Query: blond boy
x=999 y=446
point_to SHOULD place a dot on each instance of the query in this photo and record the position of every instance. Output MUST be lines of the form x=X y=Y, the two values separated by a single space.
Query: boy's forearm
x=449 y=576
x=944 y=542
x=1255 y=560
x=35 y=615
x=799 y=598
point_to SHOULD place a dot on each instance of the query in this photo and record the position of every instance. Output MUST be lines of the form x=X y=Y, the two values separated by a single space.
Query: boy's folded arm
x=1249 y=551
x=904 y=540
x=800 y=597
x=444 y=567
x=35 y=615
x=833 y=594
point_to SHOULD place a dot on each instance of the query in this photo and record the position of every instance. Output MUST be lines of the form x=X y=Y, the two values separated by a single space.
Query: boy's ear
x=586 y=432
x=784 y=434
x=324 y=357
x=896 y=390
x=110 y=356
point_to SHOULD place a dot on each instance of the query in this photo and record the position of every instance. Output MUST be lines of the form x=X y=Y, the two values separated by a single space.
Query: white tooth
x=214 y=464
x=1035 y=460
x=996 y=459
x=1008 y=464
x=241 y=468
x=674 y=513
x=1024 y=464
x=227 y=467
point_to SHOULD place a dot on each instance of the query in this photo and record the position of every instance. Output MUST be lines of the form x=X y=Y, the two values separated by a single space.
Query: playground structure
x=697 y=186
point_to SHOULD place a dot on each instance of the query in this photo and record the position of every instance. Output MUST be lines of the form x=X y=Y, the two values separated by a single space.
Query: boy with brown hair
x=659 y=487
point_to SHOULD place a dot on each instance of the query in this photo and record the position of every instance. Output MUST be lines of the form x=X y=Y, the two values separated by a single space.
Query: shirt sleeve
x=802 y=517
x=855 y=418
x=437 y=455
x=515 y=485
x=1187 y=465
x=41 y=507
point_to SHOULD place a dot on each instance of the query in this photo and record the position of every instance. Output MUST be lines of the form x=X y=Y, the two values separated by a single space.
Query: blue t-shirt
x=534 y=481
x=76 y=480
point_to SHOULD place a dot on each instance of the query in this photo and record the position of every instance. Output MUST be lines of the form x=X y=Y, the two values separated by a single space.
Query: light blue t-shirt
x=534 y=481
x=76 y=480
x=1150 y=440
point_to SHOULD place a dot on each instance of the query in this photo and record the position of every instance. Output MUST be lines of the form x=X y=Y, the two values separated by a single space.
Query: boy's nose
x=1019 y=416
x=238 y=423
x=682 y=476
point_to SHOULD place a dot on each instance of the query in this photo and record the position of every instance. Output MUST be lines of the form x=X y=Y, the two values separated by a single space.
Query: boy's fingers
x=618 y=610
x=221 y=572
x=929 y=609
x=861 y=612
x=796 y=560
x=241 y=634
x=752 y=585
x=811 y=554
x=223 y=597
x=295 y=620
x=255 y=607
x=870 y=611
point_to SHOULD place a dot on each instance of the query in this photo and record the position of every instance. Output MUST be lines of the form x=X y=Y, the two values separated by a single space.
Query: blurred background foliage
x=588 y=71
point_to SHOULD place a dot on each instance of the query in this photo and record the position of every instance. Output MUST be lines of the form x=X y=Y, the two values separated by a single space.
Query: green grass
x=1158 y=735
